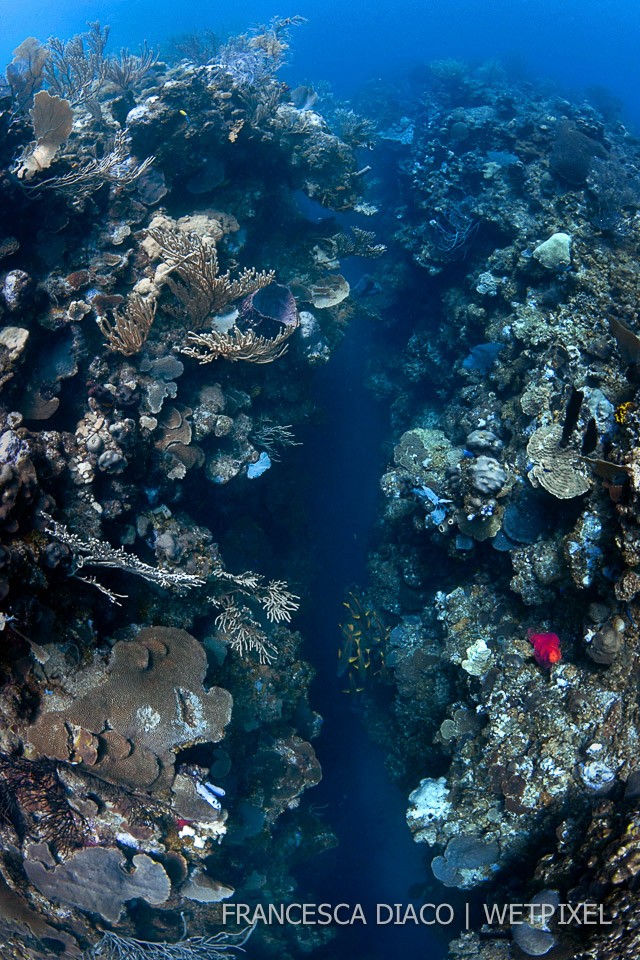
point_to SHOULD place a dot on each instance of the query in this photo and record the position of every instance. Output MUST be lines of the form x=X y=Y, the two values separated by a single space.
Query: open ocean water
x=578 y=42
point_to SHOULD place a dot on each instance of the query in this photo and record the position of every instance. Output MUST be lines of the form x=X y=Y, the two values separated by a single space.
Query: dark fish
x=571 y=416
x=628 y=342
x=590 y=439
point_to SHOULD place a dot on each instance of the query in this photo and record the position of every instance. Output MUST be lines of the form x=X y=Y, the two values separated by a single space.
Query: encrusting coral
x=93 y=879
x=129 y=722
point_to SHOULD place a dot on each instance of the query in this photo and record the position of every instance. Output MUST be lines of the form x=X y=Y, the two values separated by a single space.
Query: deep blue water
x=574 y=42
x=376 y=861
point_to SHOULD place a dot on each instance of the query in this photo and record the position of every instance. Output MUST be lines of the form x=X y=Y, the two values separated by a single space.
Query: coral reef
x=163 y=300
x=507 y=564
x=155 y=724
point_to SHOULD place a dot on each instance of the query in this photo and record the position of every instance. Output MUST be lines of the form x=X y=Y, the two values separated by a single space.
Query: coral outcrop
x=519 y=527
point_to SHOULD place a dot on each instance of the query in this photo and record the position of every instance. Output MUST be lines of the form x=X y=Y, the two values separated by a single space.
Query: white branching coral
x=278 y=602
x=98 y=553
x=270 y=436
x=237 y=627
x=116 y=167
x=274 y=596
x=221 y=946
x=236 y=622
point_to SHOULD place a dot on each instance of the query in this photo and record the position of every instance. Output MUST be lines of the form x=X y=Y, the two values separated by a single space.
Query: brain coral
x=126 y=724
x=95 y=880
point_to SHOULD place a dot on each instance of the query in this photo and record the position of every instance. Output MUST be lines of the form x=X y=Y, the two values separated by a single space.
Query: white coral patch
x=147 y=718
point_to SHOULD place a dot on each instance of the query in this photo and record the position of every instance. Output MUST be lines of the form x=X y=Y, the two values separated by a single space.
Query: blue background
x=577 y=42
